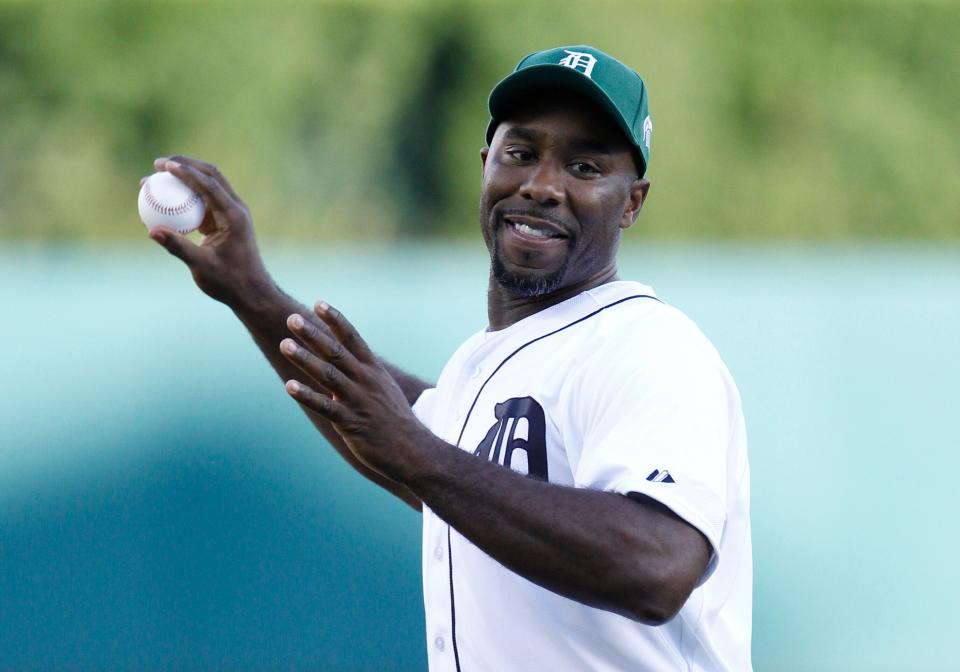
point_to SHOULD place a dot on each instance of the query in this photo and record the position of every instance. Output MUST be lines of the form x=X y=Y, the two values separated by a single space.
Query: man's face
x=559 y=183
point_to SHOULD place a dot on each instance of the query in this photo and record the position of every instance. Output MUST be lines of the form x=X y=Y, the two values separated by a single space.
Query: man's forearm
x=599 y=548
x=264 y=312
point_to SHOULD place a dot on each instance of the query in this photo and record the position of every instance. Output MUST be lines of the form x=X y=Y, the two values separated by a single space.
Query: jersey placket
x=439 y=565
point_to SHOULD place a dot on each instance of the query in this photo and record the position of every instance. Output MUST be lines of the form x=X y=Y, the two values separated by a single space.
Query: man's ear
x=483 y=157
x=638 y=194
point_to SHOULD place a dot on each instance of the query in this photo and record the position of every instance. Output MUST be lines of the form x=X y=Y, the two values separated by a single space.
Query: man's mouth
x=532 y=227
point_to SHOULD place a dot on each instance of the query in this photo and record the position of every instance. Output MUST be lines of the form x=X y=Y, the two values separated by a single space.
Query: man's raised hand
x=349 y=387
x=227 y=264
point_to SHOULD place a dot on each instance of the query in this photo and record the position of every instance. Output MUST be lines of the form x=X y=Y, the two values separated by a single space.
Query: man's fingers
x=202 y=166
x=323 y=404
x=325 y=373
x=210 y=188
x=208 y=169
x=345 y=332
x=322 y=343
x=176 y=244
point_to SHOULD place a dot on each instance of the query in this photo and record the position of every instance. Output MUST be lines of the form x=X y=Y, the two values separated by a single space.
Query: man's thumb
x=176 y=244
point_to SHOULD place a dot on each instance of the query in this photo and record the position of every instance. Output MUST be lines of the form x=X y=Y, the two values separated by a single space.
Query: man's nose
x=544 y=185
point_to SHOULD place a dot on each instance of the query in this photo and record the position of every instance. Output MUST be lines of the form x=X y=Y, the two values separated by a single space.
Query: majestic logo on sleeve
x=518 y=439
x=657 y=476
x=579 y=60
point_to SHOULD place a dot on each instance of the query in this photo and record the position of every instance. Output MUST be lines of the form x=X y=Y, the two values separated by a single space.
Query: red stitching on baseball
x=178 y=209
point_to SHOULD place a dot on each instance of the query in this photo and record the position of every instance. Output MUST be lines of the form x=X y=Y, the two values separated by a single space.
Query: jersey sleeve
x=423 y=407
x=658 y=423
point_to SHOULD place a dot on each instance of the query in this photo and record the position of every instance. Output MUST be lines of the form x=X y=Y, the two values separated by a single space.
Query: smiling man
x=581 y=463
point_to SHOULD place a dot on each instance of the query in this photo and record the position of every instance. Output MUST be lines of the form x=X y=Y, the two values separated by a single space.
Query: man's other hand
x=349 y=387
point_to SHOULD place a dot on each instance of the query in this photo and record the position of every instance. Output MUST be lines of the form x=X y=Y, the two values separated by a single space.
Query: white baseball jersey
x=611 y=390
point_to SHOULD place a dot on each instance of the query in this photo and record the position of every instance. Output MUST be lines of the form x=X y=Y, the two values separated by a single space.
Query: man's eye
x=519 y=154
x=585 y=168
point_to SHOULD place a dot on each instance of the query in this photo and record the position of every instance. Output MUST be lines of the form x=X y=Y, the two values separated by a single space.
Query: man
x=581 y=464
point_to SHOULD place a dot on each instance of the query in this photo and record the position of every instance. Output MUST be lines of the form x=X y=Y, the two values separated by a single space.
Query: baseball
x=166 y=200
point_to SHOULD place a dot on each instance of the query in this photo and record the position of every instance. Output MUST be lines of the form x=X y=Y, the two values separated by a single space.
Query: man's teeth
x=530 y=231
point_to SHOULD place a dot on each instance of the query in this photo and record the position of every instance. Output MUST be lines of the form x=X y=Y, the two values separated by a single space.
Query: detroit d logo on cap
x=578 y=60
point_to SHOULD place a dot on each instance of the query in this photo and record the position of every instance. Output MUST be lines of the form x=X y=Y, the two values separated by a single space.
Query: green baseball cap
x=588 y=71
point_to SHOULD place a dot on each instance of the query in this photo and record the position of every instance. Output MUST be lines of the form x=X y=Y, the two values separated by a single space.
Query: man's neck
x=505 y=308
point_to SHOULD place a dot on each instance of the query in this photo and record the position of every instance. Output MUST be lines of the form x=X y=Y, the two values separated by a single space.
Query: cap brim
x=505 y=96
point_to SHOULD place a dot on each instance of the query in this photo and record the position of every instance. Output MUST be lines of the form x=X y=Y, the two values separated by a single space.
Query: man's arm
x=632 y=557
x=227 y=266
x=629 y=556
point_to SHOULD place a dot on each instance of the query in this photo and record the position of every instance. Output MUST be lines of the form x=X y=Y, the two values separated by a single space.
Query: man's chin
x=526 y=284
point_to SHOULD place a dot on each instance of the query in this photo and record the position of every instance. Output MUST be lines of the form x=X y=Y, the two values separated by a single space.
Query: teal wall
x=164 y=506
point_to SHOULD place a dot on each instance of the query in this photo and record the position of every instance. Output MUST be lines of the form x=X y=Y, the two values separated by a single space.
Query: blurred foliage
x=364 y=120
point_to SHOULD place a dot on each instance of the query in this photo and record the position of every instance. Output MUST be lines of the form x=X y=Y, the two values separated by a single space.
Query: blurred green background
x=772 y=120
x=164 y=506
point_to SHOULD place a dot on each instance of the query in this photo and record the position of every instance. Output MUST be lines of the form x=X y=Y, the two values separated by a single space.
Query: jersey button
x=438 y=552
x=439 y=643
x=476 y=373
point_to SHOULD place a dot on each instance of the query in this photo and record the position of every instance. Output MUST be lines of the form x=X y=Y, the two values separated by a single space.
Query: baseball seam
x=164 y=209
